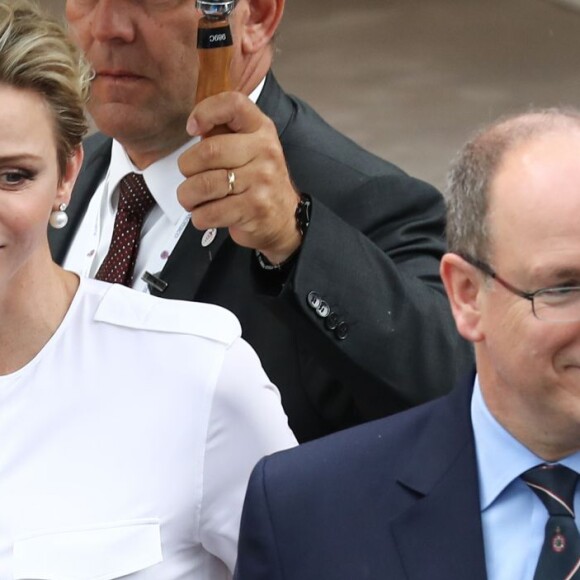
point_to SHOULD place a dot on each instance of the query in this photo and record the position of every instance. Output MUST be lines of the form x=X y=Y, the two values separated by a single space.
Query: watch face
x=303 y=214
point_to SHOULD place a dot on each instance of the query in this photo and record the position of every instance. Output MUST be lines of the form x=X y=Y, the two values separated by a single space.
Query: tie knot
x=555 y=486
x=135 y=199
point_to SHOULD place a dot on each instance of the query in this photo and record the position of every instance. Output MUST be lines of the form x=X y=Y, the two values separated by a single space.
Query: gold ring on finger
x=231 y=182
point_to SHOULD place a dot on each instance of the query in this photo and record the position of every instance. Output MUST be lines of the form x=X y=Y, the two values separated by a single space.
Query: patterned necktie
x=135 y=201
x=560 y=555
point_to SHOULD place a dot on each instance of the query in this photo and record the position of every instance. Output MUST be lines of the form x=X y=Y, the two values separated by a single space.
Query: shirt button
x=341 y=331
x=314 y=300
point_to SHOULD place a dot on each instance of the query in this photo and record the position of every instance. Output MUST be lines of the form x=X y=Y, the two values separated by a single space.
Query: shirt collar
x=501 y=458
x=162 y=178
x=255 y=94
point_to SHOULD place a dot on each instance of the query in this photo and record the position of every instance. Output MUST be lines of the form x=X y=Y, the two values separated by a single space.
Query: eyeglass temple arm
x=487 y=269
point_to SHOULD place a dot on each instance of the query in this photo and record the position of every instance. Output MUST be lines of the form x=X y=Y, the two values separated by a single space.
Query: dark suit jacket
x=395 y=499
x=371 y=252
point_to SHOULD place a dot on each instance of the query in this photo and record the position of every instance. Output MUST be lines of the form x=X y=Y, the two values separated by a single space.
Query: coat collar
x=440 y=536
x=274 y=103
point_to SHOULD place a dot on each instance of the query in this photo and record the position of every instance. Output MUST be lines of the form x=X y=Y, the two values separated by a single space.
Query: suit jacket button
x=341 y=331
x=323 y=309
x=332 y=321
x=314 y=300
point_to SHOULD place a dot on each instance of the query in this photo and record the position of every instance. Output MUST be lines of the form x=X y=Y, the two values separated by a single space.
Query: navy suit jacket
x=371 y=253
x=393 y=499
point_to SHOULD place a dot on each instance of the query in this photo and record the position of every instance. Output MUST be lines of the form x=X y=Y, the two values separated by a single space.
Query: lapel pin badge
x=208 y=237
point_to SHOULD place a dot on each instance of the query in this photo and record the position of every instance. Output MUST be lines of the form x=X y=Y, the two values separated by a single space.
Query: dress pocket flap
x=104 y=552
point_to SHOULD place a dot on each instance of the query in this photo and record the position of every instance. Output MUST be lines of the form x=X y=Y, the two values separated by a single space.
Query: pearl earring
x=59 y=219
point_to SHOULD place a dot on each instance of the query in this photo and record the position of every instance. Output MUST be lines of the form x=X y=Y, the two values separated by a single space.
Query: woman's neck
x=31 y=310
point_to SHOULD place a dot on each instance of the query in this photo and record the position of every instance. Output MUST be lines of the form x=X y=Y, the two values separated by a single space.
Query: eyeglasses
x=556 y=304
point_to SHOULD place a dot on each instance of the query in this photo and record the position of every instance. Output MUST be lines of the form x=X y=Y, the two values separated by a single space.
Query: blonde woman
x=137 y=465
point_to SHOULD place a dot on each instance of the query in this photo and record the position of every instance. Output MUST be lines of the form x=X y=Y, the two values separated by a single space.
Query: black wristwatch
x=302 y=215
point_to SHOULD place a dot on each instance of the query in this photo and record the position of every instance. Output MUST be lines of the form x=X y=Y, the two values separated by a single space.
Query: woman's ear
x=463 y=284
x=259 y=20
x=68 y=179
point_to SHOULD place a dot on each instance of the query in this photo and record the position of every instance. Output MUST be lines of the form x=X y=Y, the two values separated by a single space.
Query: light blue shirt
x=513 y=517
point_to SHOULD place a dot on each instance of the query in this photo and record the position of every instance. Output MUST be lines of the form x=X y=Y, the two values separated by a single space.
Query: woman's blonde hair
x=36 y=54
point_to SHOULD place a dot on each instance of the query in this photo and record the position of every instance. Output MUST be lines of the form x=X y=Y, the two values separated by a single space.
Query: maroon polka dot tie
x=135 y=202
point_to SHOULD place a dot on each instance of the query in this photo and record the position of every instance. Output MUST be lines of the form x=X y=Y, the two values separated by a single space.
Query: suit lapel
x=188 y=264
x=440 y=536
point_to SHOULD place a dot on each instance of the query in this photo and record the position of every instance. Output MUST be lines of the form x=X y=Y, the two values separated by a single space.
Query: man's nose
x=114 y=20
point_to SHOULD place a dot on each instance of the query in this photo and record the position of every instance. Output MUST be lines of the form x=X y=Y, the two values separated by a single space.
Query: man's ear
x=259 y=22
x=463 y=284
x=68 y=179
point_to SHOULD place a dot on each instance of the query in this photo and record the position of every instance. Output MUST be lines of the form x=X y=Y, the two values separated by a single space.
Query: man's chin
x=120 y=121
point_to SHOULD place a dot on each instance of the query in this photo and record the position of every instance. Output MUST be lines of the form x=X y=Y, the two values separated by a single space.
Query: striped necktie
x=560 y=556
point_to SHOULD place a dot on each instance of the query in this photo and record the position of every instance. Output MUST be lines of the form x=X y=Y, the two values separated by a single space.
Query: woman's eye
x=16 y=177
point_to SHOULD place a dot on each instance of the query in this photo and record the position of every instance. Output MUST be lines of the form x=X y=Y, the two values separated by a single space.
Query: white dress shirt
x=128 y=442
x=513 y=517
x=161 y=229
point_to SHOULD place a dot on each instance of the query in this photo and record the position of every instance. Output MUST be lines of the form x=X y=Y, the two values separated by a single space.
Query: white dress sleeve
x=246 y=422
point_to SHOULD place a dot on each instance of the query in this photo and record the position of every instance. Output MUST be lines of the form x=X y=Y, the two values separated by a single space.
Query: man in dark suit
x=328 y=255
x=465 y=486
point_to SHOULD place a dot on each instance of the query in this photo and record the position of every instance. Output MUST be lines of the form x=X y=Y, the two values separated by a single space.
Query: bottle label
x=214 y=37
